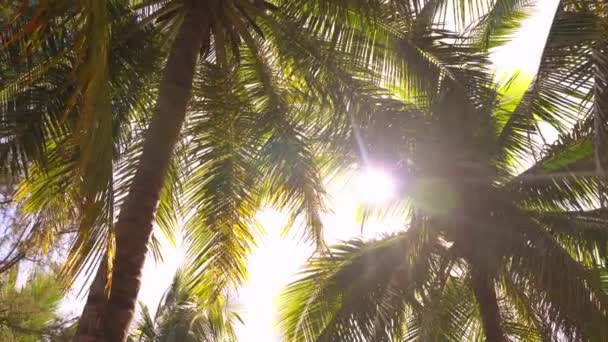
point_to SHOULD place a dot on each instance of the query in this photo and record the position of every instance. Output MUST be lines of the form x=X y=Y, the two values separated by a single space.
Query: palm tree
x=182 y=316
x=488 y=251
x=263 y=111
x=495 y=258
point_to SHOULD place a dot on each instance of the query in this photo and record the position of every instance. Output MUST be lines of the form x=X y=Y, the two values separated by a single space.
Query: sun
x=374 y=186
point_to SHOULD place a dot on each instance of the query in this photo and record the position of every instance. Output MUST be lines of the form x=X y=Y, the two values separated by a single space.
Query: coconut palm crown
x=489 y=252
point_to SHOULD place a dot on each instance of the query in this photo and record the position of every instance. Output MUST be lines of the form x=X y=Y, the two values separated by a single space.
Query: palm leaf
x=360 y=292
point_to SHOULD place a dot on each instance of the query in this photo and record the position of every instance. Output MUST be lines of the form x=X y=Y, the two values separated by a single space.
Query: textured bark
x=134 y=224
x=485 y=295
x=89 y=324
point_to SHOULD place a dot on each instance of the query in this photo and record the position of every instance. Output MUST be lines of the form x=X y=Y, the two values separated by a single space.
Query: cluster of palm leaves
x=117 y=116
x=28 y=313
x=182 y=316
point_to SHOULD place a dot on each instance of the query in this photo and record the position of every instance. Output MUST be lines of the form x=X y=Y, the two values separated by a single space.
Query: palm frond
x=361 y=291
x=582 y=233
x=572 y=299
x=525 y=312
x=497 y=26
x=76 y=163
x=221 y=194
x=558 y=94
x=292 y=179
x=564 y=177
x=450 y=315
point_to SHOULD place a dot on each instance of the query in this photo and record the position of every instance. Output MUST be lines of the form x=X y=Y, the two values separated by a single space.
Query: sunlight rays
x=374 y=186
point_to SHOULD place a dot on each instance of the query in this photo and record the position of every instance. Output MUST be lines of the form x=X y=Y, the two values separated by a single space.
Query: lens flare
x=375 y=186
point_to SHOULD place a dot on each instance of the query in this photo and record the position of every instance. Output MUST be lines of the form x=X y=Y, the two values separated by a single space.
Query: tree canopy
x=117 y=116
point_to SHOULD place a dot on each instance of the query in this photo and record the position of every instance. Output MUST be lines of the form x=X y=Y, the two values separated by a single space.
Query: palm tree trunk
x=485 y=295
x=89 y=324
x=134 y=224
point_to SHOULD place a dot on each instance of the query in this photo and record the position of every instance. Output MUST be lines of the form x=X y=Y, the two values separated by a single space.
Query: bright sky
x=523 y=52
x=277 y=260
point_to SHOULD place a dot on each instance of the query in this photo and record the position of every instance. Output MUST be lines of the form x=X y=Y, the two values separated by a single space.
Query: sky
x=523 y=51
x=276 y=260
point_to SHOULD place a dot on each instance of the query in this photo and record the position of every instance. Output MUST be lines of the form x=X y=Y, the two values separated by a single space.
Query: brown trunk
x=485 y=295
x=89 y=324
x=134 y=224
